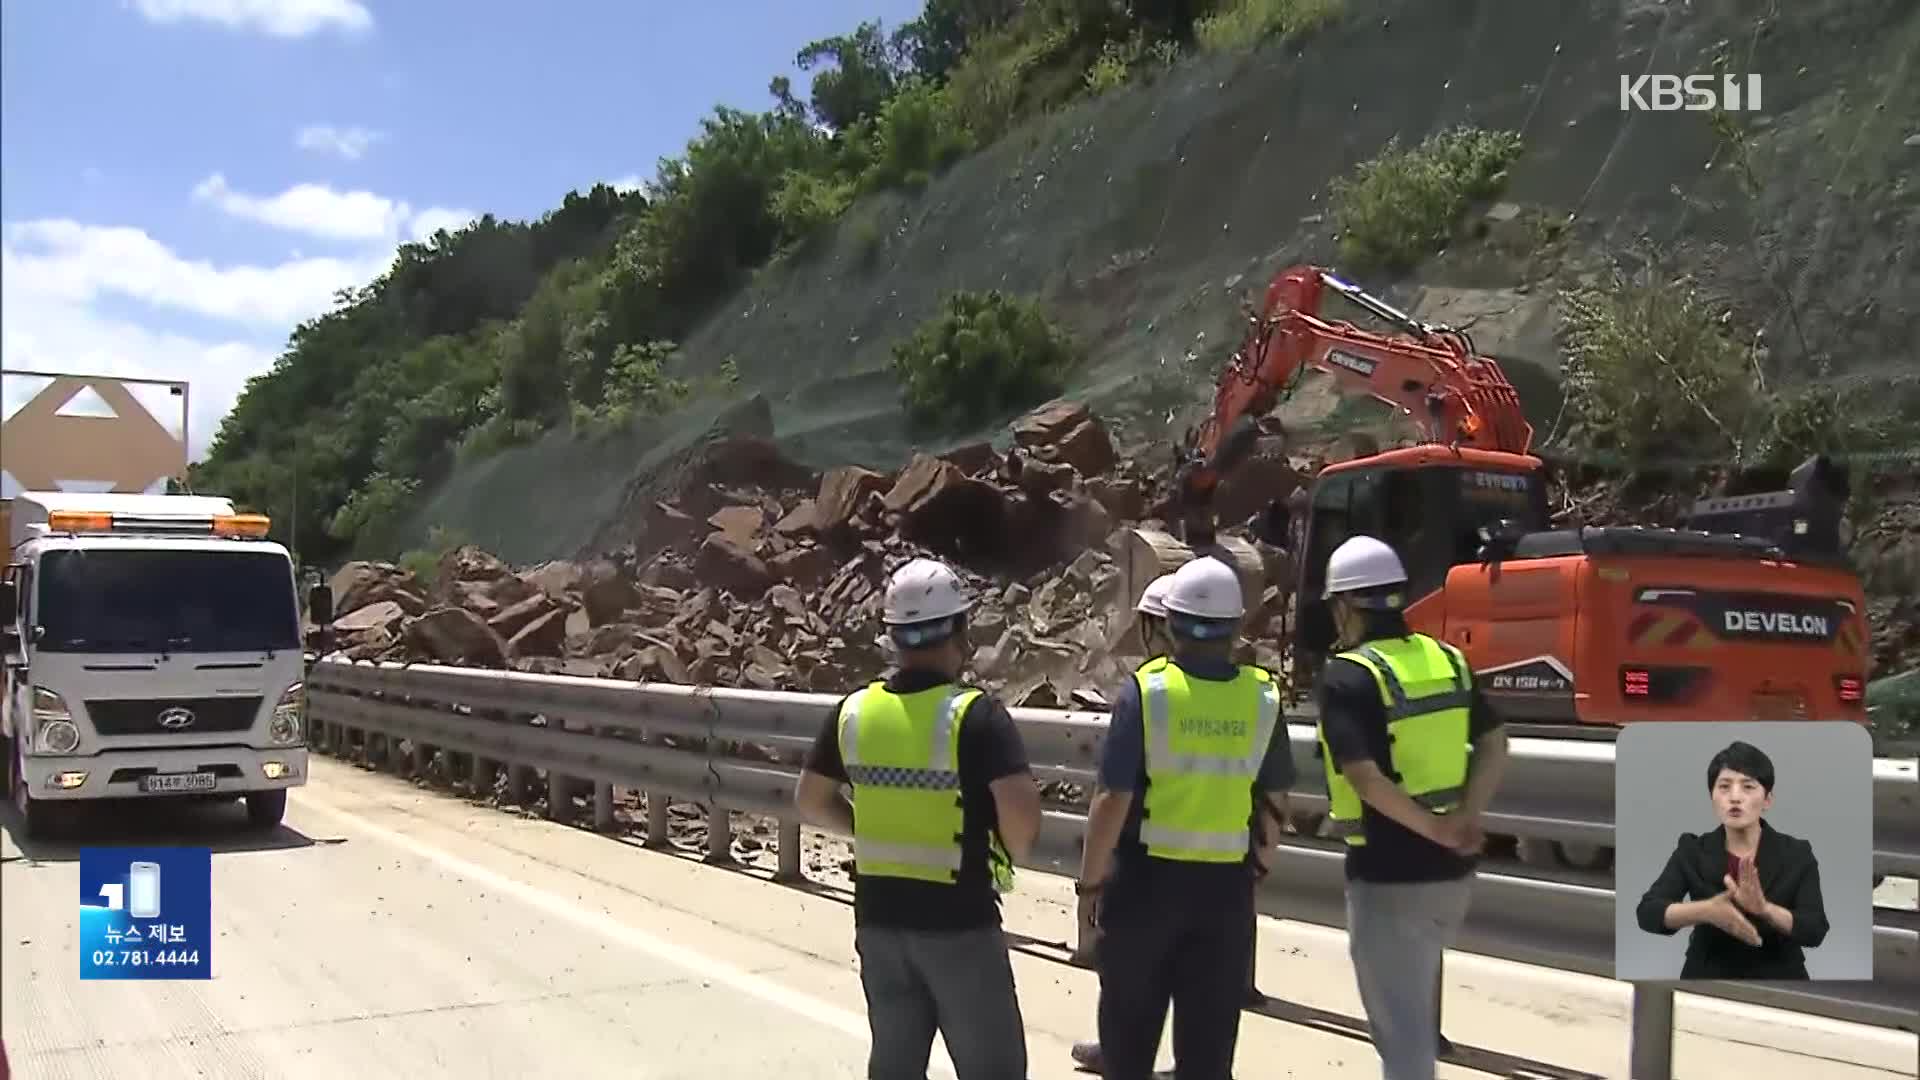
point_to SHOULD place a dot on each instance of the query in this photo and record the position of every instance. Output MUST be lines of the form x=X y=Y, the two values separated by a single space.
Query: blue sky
x=183 y=181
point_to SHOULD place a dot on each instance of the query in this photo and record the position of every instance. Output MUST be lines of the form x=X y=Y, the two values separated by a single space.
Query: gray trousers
x=957 y=982
x=1396 y=935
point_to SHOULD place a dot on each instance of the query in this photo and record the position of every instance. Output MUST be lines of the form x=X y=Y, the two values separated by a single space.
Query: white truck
x=151 y=648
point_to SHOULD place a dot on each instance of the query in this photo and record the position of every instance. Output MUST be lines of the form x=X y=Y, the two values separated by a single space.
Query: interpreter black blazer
x=1789 y=876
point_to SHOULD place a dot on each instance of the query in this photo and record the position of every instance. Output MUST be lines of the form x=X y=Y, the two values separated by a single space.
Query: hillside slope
x=1145 y=217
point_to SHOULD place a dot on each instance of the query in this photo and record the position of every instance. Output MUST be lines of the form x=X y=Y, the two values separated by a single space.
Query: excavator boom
x=1431 y=373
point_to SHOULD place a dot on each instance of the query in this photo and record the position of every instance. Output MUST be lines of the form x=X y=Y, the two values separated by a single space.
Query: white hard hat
x=1206 y=588
x=922 y=591
x=1154 y=600
x=1363 y=563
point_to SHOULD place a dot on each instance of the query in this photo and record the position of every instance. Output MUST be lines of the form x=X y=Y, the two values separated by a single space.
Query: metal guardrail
x=674 y=741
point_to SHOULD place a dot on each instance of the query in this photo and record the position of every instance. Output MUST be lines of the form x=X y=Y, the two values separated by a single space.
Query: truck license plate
x=193 y=781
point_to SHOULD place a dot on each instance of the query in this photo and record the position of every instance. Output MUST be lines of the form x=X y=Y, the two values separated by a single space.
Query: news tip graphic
x=146 y=913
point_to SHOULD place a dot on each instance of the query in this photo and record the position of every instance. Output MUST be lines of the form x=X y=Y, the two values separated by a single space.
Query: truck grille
x=141 y=716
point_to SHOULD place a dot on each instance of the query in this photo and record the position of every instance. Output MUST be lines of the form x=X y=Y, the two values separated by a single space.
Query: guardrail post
x=519 y=783
x=602 y=794
x=719 y=835
x=481 y=772
x=1651 y=1055
x=789 y=851
x=559 y=797
x=657 y=820
x=422 y=759
x=603 y=807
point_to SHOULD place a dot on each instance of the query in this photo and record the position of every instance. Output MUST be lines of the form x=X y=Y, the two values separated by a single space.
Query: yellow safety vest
x=1205 y=740
x=1424 y=686
x=902 y=756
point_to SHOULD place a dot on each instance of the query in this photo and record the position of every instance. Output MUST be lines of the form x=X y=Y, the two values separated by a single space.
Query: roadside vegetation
x=1404 y=205
x=1659 y=379
x=492 y=336
x=984 y=355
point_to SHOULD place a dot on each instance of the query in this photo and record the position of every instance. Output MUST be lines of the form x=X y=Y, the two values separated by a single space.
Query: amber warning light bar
x=248 y=526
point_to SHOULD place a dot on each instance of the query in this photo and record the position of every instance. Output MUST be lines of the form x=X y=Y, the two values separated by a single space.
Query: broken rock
x=544 y=636
x=728 y=564
x=454 y=635
x=1045 y=425
x=843 y=493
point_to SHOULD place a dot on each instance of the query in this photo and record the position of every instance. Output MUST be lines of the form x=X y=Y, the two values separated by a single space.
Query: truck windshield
x=144 y=600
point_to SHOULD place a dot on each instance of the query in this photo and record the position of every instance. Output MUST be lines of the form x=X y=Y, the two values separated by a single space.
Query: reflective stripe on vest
x=901 y=753
x=1205 y=740
x=1428 y=699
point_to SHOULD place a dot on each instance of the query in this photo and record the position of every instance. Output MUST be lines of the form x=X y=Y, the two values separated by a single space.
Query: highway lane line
x=853 y=1025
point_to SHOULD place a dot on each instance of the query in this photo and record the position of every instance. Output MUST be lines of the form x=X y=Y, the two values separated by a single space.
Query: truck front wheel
x=266 y=808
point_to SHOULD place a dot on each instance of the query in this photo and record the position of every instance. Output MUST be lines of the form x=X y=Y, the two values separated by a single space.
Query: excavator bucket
x=1151 y=552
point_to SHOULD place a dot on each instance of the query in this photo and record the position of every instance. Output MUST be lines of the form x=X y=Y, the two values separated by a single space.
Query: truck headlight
x=288 y=726
x=54 y=731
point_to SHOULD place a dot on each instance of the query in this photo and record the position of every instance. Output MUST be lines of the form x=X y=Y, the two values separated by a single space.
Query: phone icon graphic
x=143 y=890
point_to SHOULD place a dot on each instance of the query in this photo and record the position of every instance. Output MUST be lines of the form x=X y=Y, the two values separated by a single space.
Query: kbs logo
x=1692 y=93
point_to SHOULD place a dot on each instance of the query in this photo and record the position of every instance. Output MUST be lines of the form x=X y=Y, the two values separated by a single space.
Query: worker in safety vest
x=1154 y=643
x=1152 y=612
x=1398 y=712
x=943 y=801
x=1192 y=785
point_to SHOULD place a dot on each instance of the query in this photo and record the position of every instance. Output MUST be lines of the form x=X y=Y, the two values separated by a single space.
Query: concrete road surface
x=389 y=931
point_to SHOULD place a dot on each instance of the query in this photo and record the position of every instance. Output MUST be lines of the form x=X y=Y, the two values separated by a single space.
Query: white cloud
x=65 y=262
x=434 y=218
x=319 y=210
x=351 y=143
x=280 y=18
x=53 y=273
x=629 y=182
x=309 y=208
x=56 y=274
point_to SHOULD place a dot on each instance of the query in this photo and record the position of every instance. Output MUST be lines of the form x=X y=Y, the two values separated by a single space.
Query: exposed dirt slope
x=1148 y=216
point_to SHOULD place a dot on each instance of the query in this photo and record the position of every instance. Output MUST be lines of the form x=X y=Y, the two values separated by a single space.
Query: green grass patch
x=1243 y=24
x=983 y=355
x=1402 y=206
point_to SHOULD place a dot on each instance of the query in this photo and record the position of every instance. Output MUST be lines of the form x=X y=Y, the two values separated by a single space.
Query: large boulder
x=726 y=563
x=453 y=635
x=843 y=493
x=608 y=593
x=1086 y=446
x=545 y=635
x=511 y=620
x=1046 y=425
x=384 y=615
x=467 y=563
x=556 y=579
x=359 y=584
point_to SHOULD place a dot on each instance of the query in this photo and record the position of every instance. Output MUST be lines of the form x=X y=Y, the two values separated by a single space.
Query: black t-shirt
x=1354 y=722
x=990 y=748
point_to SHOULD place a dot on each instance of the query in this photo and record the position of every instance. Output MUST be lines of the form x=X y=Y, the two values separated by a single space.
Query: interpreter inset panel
x=1743 y=851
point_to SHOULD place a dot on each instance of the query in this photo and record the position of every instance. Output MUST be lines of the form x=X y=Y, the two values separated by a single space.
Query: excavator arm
x=1432 y=373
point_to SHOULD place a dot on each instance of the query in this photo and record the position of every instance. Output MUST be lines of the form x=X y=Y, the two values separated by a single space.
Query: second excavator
x=1748 y=611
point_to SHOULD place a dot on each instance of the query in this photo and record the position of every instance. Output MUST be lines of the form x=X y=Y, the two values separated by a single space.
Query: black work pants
x=1176 y=934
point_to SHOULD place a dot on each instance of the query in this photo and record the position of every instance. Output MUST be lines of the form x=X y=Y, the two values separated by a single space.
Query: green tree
x=859 y=83
x=983 y=356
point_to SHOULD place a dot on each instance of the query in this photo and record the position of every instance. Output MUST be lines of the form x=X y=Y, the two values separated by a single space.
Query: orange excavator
x=1749 y=611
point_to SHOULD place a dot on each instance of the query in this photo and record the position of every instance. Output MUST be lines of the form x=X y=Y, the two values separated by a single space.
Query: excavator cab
x=1432 y=504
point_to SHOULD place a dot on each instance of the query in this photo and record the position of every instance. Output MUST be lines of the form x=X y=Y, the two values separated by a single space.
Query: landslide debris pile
x=760 y=573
